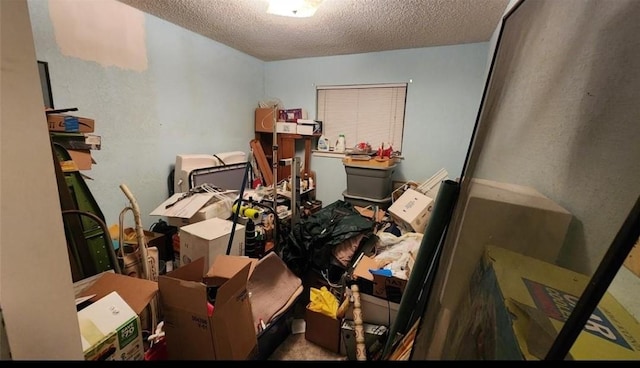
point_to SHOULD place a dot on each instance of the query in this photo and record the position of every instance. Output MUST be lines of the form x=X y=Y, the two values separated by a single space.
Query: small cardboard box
x=70 y=123
x=309 y=127
x=264 y=119
x=191 y=333
x=412 y=210
x=152 y=239
x=208 y=239
x=286 y=128
x=114 y=336
x=292 y=115
x=517 y=305
x=322 y=330
x=387 y=288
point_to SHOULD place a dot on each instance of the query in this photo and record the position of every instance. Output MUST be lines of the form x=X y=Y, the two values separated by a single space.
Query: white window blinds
x=363 y=113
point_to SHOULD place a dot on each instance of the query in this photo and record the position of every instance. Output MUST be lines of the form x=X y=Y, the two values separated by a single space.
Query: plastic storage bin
x=382 y=204
x=369 y=181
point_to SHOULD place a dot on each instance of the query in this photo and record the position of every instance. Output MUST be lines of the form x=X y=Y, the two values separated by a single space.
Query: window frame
x=351 y=141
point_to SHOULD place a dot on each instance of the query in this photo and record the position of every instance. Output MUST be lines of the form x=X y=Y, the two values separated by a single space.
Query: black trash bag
x=310 y=242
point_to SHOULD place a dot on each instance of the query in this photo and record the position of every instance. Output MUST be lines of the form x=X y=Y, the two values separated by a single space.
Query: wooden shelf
x=286 y=149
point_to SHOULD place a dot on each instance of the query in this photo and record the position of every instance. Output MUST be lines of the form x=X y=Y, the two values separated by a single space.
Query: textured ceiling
x=339 y=26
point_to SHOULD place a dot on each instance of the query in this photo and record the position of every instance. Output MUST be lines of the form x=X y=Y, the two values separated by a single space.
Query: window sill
x=330 y=154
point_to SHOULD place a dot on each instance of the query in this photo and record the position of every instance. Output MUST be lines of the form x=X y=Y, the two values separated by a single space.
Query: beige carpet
x=296 y=347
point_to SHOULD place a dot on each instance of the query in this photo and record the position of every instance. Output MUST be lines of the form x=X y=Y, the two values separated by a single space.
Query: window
x=363 y=113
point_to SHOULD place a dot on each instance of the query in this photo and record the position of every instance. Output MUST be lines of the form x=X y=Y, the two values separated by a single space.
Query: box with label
x=208 y=239
x=110 y=330
x=291 y=115
x=264 y=119
x=136 y=292
x=517 y=305
x=412 y=211
x=70 y=123
x=207 y=310
x=286 y=128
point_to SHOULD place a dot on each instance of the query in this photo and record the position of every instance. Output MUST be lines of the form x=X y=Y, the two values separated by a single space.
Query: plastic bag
x=322 y=301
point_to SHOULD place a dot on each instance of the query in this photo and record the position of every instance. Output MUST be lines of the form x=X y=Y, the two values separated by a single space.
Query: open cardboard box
x=191 y=333
x=113 y=336
x=387 y=288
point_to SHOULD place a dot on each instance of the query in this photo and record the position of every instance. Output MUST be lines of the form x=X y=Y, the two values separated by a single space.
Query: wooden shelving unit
x=286 y=149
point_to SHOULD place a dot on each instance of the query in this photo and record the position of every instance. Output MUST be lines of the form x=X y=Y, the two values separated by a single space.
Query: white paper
x=185 y=208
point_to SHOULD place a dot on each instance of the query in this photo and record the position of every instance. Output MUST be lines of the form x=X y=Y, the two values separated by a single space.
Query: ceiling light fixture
x=293 y=8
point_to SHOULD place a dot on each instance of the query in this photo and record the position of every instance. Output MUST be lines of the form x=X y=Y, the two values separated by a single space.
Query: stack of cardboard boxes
x=74 y=134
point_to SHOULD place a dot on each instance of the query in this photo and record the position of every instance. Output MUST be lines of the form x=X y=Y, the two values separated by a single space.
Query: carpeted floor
x=296 y=347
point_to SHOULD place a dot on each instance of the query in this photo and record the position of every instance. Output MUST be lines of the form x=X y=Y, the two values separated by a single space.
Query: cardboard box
x=412 y=210
x=291 y=115
x=152 y=239
x=135 y=291
x=387 y=288
x=82 y=159
x=286 y=128
x=191 y=333
x=322 y=330
x=110 y=330
x=114 y=336
x=70 y=123
x=517 y=305
x=208 y=239
x=264 y=119
x=309 y=127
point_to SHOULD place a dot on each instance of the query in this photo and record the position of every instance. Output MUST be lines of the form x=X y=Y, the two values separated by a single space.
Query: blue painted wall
x=442 y=102
x=196 y=96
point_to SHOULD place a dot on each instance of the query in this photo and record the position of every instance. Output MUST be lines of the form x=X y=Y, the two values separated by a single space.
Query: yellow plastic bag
x=322 y=301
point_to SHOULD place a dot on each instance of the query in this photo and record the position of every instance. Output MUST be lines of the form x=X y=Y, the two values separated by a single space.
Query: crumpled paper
x=322 y=301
